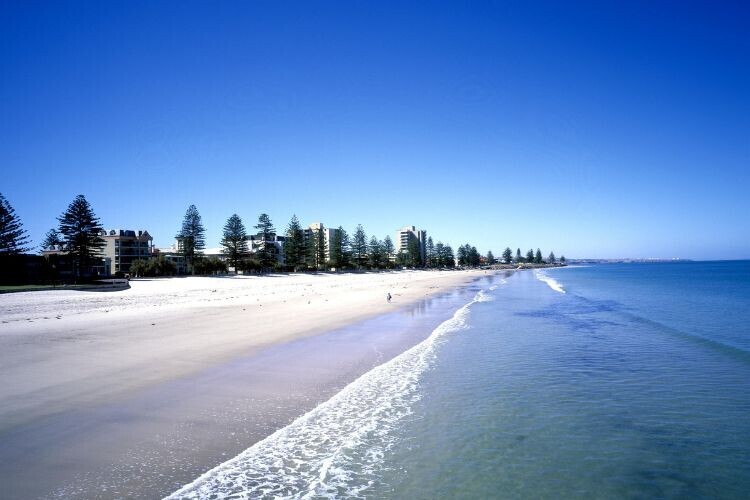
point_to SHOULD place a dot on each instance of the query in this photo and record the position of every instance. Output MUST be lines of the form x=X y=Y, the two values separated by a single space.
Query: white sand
x=63 y=349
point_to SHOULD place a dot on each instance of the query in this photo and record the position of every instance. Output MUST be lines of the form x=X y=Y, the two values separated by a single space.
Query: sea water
x=592 y=382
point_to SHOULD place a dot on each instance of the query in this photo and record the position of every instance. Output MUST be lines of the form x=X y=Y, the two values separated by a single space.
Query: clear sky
x=590 y=130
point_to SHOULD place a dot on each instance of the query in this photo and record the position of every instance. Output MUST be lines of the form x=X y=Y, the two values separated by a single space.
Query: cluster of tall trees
x=13 y=237
x=77 y=234
x=531 y=257
x=310 y=249
x=304 y=249
x=468 y=256
x=439 y=255
x=191 y=243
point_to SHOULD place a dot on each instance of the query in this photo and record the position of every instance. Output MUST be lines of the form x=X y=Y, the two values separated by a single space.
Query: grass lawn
x=35 y=288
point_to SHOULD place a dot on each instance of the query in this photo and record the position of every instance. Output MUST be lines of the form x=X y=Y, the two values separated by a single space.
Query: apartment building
x=410 y=233
x=274 y=244
x=122 y=247
x=328 y=235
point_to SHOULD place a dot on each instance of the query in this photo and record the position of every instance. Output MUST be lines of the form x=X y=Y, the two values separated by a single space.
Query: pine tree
x=359 y=246
x=310 y=255
x=266 y=233
x=551 y=259
x=413 y=253
x=345 y=248
x=388 y=250
x=430 y=251
x=562 y=260
x=234 y=240
x=80 y=228
x=519 y=259
x=462 y=255
x=538 y=257
x=294 y=245
x=450 y=260
x=315 y=249
x=52 y=240
x=376 y=254
x=473 y=256
x=490 y=258
x=192 y=236
x=13 y=238
x=439 y=260
x=530 y=256
x=507 y=255
x=320 y=244
x=335 y=250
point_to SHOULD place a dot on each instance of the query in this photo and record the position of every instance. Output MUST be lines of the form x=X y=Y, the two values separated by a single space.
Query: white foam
x=337 y=448
x=553 y=284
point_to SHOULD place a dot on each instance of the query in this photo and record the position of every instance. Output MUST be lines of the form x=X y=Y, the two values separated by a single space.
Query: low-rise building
x=175 y=254
x=122 y=247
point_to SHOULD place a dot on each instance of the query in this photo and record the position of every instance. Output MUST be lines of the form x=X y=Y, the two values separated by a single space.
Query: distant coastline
x=626 y=261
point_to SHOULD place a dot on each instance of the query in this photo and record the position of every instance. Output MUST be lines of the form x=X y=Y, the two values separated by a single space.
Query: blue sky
x=590 y=130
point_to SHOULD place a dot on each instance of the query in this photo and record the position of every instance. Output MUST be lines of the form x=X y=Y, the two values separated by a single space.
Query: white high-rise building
x=328 y=234
x=411 y=233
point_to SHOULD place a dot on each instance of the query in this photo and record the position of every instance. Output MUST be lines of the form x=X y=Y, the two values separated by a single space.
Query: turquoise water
x=616 y=381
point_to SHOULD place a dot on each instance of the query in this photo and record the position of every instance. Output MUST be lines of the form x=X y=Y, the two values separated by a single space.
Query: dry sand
x=64 y=349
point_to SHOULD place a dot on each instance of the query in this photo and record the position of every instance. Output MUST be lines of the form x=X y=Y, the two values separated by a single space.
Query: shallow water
x=633 y=383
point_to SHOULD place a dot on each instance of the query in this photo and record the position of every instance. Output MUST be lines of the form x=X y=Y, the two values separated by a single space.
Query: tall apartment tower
x=409 y=233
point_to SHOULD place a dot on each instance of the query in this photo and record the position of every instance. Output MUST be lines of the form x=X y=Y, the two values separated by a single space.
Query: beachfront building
x=408 y=234
x=122 y=247
x=328 y=236
x=274 y=244
x=176 y=254
x=62 y=266
x=215 y=252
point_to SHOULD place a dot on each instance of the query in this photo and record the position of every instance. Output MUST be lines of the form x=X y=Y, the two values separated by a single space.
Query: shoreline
x=104 y=388
x=124 y=340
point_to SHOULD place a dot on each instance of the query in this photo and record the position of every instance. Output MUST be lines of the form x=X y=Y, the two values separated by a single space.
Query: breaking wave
x=551 y=282
x=338 y=448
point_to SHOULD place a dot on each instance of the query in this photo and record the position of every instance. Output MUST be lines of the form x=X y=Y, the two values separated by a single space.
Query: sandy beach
x=68 y=357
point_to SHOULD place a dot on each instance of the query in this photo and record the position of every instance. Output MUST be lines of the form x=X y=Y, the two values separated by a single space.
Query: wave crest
x=551 y=282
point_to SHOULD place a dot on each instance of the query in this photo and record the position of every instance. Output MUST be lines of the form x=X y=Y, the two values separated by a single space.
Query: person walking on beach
x=388 y=296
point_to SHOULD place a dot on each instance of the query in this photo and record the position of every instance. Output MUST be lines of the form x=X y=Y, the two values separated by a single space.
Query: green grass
x=36 y=288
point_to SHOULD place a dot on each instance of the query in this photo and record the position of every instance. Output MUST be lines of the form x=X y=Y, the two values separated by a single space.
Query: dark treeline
x=306 y=249
x=77 y=235
x=78 y=245
x=531 y=257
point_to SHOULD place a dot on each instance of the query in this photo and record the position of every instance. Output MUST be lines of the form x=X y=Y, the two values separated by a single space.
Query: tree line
x=307 y=249
x=79 y=228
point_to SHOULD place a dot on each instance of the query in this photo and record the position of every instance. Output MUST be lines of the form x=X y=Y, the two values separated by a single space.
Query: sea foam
x=551 y=282
x=337 y=448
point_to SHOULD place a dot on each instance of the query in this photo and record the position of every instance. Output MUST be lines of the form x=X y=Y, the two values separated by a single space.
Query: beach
x=158 y=365
x=540 y=383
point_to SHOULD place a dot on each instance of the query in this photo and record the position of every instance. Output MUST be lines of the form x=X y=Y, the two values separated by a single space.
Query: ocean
x=623 y=380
